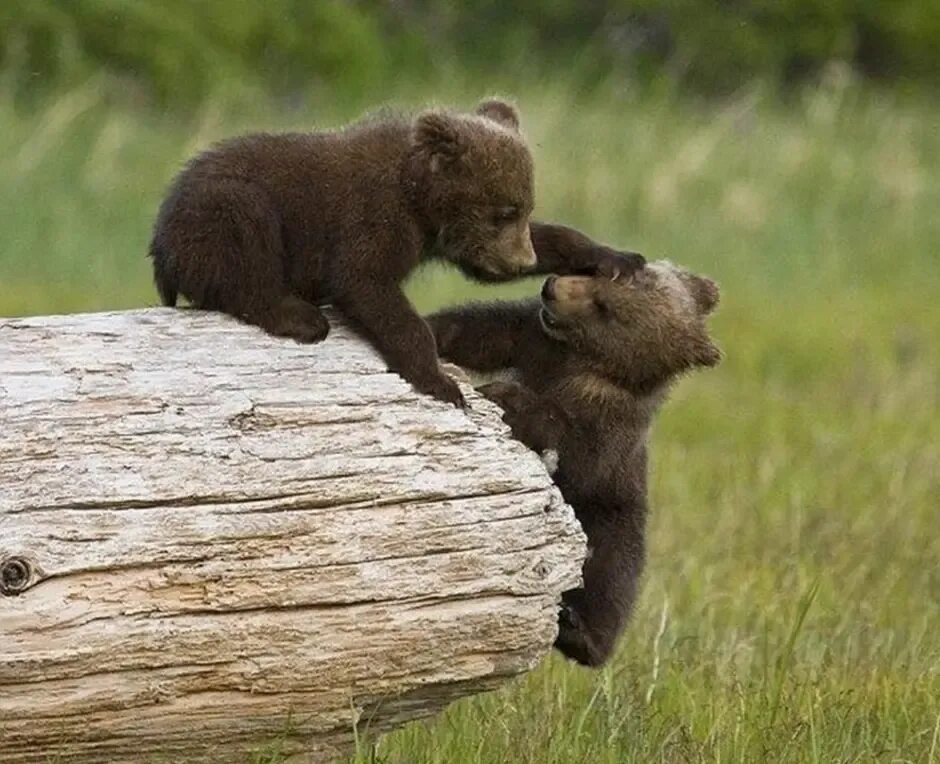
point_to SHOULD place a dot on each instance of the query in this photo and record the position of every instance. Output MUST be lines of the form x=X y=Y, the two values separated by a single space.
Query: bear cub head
x=640 y=330
x=475 y=188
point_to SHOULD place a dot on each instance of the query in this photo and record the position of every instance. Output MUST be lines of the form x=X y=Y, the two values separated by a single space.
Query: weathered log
x=212 y=540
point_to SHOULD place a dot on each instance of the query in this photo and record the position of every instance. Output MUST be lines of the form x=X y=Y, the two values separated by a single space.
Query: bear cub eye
x=507 y=214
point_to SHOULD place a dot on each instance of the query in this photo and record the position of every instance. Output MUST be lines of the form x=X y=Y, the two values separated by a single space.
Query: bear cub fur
x=593 y=361
x=267 y=227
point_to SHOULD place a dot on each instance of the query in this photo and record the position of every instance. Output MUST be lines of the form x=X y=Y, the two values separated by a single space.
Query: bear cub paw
x=299 y=320
x=443 y=388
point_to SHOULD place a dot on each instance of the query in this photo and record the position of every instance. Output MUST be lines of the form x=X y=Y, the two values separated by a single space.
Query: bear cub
x=267 y=227
x=592 y=361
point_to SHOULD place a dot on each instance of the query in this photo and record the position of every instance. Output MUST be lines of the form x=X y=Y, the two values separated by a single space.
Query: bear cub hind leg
x=222 y=240
x=589 y=644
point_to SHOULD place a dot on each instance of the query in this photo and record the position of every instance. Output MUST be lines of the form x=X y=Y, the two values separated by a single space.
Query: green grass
x=791 y=611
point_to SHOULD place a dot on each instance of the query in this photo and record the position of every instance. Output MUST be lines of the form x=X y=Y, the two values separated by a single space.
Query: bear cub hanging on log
x=593 y=362
x=267 y=227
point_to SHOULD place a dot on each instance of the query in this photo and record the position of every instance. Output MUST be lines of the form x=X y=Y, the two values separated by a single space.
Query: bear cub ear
x=499 y=111
x=441 y=136
x=706 y=353
x=705 y=292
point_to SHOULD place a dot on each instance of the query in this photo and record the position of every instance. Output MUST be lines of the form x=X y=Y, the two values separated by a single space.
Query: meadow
x=791 y=609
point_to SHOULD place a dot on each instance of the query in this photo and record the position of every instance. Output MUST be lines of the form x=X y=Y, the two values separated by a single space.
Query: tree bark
x=214 y=542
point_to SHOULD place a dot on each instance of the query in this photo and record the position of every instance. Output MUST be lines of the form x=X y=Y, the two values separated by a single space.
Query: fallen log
x=213 y=542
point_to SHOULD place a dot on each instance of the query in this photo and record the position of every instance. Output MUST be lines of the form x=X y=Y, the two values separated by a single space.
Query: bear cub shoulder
x=592 y=362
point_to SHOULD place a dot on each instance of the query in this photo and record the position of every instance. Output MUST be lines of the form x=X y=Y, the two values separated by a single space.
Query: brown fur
x=268 y=227
x=595 y=359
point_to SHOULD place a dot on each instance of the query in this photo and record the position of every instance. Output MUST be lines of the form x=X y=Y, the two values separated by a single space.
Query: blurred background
x=789 y=149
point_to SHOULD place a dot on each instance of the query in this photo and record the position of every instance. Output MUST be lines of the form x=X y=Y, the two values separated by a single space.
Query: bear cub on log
x=267 y=227
x=593 y=360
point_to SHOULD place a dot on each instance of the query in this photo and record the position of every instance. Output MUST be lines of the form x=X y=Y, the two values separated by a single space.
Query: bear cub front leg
x=402 y=337
x=536 y=422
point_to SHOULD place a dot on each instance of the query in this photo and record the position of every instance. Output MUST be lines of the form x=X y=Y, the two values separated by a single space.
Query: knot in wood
x=15 y=575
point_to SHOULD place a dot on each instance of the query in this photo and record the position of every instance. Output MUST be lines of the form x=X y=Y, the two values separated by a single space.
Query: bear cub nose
x=548 y=288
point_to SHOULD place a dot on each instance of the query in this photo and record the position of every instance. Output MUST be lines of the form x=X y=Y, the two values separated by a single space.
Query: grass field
x=791 y=611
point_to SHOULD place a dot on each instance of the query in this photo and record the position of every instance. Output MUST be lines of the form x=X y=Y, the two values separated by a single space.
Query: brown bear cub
x=268 y=227
x=593 y=361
